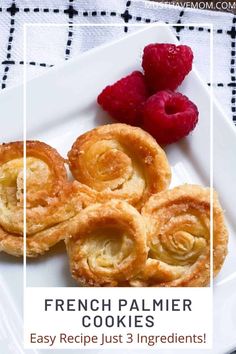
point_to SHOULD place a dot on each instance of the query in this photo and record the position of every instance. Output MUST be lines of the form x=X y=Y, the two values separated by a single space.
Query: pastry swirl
x=50 y=197
x=178 y=238
x=120 y=161
x=107 y=244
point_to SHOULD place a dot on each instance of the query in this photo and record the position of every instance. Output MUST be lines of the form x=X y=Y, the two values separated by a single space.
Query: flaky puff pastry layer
x=120 y=161
x=107 y=246
x=50 y=197
x=178 y=237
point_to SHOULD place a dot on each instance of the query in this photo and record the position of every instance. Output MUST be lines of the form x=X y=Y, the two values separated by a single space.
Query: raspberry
x=169 y=116
x=124 y=99
x=166 y=65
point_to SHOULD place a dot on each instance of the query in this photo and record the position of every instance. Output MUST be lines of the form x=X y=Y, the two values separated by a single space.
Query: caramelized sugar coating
x=121 y=162
x=107 y=245
x=178 y=237
x=50 y=198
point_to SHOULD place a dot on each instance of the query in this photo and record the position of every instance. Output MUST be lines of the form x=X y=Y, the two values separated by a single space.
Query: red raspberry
x=124 y=99
x=169 y=116
x=166 y=65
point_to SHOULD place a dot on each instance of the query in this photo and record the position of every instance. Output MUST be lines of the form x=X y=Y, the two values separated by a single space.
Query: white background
x=198 y=321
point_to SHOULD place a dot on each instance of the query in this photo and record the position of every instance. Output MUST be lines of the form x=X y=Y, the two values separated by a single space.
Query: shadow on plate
x=185 y=147
x=55 y=254
x=6 y=258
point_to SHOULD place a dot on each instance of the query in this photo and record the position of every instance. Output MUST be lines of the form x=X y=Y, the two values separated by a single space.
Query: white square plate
x=61 y=105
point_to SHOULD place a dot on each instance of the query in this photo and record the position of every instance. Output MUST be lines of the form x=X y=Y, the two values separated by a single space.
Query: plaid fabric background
x=51 y=46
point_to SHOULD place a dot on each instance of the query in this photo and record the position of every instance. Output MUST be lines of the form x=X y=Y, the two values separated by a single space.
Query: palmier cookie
x=178 y=237
x=120 y=161
x=107 y=244
x=50 y=198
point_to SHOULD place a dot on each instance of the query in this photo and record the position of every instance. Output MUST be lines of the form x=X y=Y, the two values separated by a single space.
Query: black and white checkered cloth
x=49 y=46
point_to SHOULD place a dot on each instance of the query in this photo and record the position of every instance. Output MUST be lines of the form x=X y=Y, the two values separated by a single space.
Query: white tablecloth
x=48 y=46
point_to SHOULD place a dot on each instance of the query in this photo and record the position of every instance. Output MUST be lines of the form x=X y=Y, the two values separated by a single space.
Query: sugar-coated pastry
x=50 y=197
x=107 y=244
x=120 y=161
x=178 y=237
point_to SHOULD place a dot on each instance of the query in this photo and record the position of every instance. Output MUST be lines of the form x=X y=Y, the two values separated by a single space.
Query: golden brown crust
x=178 y=235
x=36 y=192
x=120 y=161
x=50 y=197
x=107 y=244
